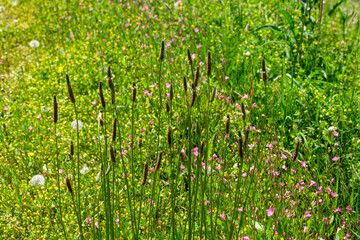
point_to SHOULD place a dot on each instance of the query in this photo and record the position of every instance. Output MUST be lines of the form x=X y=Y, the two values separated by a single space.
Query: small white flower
x=14 y=3
x=37 y=180
x=247 y=53
x=34 y=43
x=46 y=168
x=176 y=5
x=45 y=109
x=85 y=169
x=74 y=124
x=332 y=128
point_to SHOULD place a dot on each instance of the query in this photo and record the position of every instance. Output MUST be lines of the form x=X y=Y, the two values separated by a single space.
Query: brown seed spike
x=68 y=185
x=297 y=148
x=193 y=97
x=109 y=75
x=101 y=94
x=71 y=148
x=213 y=94
x=69 y=88
x=158 y=162
x=169 y=135
x=227 y=125
x=167 y=106
x=111 y=86
x=209 y=64
x=55 y=107
x=198 y=130
x=112 y=153
x=197 y=75
x=185 y=84
x=247 y=132
x=171 y=94
x=240 y=142
x=214 y=140
x=189 y=57
x=114 y=131
x=263 y=68
x=162 y=52
x=145 y=174
x=243 y=111
x=134 y=92
x=140 y=142
x=202 y=145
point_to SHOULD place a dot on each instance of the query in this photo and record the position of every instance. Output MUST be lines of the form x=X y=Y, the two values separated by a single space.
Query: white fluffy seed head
x=37 y=181
x=74 y=125
x=84 y=170
x=34 y=43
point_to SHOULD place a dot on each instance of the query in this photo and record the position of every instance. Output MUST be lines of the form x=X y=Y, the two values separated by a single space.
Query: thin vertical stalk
x=133 y=224
x=58 y=183
x=78 y=172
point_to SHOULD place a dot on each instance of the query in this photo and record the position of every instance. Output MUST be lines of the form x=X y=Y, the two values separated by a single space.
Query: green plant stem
x=58 y=183
x=78 y=172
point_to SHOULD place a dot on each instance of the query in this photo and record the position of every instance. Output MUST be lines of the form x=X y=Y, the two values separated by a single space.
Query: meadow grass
x=179 y=120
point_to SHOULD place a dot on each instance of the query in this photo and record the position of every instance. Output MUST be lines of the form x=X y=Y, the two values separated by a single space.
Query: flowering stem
x=78 y=171
x=133 y=224
x=58 y=182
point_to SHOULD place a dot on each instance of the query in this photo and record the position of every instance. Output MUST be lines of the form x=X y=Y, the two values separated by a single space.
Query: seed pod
x=100 y=118
x=68 y=185
x=193 y=97
x=101 y=94
x=185 y=84
x=171 y=94
x=145 y=174
x=198 y=130
x=140 y=142
x=227 y=125
x=167 y=106
x=209 y=64
x=287 y=153
x=213 y=94
x=69 y=88
x=97 y=179
x=243 y=111
x=202 y=145
x=110 y=82
x=297 y=148
x=111 y=86
x=108 y=170
x=71 y=148
x=169 y=135
x=189 y=57
x=247 y=131
x=197 y=75
x=114 y=130
x=134 y=92
x=55 y=107
x=112 y=153
x=240 y=143
x=162 y=51
x=214 y=140
x=158 y=162
x=263 y=68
